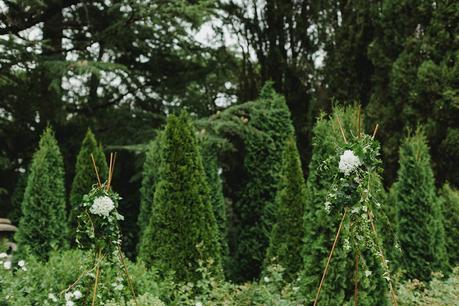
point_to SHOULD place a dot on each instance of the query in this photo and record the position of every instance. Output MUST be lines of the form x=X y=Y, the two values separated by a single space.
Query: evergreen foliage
x=85 y=176
x=182 y=231
x=43 y=224
x=320 y=228
x=450 y=204
x=266 y=127
x=286 y=239
x=211 y=168
x=419 y=217
x=150 y=175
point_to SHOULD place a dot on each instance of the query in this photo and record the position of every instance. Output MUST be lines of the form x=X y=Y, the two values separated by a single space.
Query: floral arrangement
x=358 y=165
x=351 y=195
x=98 y=221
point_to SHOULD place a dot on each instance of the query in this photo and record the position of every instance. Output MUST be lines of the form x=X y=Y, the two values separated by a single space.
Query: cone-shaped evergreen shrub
x=43 y=224
x=286 y=240
x=214 y=181
x=268 y=127
x=450 y=204
x=419 y=217
x=182 y=230
x=85 y=176
x=320 y=227
x=147 y=190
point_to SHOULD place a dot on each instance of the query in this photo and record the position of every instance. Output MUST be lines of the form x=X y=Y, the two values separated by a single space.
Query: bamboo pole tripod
x=99 y=256
x=374 y=231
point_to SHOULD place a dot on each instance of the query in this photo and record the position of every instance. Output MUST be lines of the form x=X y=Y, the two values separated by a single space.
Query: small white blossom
x=7 y=265
x=198 y=303
x=347 y=245
x=327 y=206
x=69 y=303
x=3 y=255
x=21 y=263
x=68 y=296
x=102 y=206
x=348 y=162
x=266 y=279
x=367 y=273
x=52 y=297
x=77 y=294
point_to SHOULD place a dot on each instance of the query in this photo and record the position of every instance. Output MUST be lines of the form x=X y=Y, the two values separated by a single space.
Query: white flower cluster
x=102 y=206
x=118 y=284
x=348 y=162
x=7 y=265
x=69 y=296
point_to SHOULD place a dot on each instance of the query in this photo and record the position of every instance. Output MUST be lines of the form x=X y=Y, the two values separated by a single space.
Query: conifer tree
x=214 y=181
x=286 y=240
x=419 y=217
x=149 y=178
x=85 y=176
x=450 y=204
x=268 y=127
x=182 y=230
x=320 y=228
x=43 y=224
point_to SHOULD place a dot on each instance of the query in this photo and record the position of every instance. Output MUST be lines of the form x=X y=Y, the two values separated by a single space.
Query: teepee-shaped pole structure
x=373 y=230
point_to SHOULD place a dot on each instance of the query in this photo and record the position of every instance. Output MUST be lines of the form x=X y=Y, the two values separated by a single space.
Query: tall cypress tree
x=286 y=240
x=182 y=230
x=85 y=176
x=268 y=127
x=43 y=224
x=419 y=216
x=320 y=227
x=150 y=175
x=450 y=204
x=209 y=157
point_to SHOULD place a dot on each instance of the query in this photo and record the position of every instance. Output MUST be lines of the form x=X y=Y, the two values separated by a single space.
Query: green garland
x=356 y=167
x=98 y=221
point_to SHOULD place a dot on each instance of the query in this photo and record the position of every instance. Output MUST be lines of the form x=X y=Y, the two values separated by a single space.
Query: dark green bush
x=43 y=224
x=182 y=231
x=419 y=216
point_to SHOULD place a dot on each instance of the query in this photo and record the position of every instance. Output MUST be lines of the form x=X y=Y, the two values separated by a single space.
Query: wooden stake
x=329 y=257
x=376 y=130
x=109 y=179
x=94 y=293
x=356 y=284
x=383 y=260
x=95 y=169
x=127 y=275
x=358 y=122
x=341 y=129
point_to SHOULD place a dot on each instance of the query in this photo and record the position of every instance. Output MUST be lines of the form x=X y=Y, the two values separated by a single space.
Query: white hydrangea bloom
x=77 y=294
x=21 y=263
x=52 y=297
x=7 y=265
x=102 y=206
x=69 y=303
x=348 y=162
x=68 y=296
x=3 y=255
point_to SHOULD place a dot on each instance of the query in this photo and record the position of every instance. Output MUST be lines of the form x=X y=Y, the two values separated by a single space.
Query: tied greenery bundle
x=358 y=165
x=98 y=221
